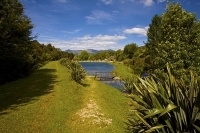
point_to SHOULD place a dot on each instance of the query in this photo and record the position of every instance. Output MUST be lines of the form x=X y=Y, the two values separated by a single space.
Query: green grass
x=47 y=101
x=112 y=103
x=121 y=70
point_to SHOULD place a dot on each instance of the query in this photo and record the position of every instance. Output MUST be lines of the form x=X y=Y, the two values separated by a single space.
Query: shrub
x=168 y=106
x=78 y=73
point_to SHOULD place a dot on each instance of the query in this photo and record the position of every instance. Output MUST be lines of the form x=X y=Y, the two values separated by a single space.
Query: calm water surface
x=92 y=67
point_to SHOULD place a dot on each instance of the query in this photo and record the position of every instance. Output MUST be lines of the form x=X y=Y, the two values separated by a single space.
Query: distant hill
x=91 y=51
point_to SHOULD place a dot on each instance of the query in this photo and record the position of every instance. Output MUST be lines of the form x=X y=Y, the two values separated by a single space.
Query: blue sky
x=96 y=24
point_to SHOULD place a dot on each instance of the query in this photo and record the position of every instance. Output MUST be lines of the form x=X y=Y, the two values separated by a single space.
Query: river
x=92 y=67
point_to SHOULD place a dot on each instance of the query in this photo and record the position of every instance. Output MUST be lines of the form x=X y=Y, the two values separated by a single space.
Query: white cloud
x=107 y=2
x=108 y=38
x=115 y=11
x=160 y=1
x=139 y=31
x=72 y=32
x=63 y=1
x=98 y=17
x=145 y=2
x=99 y=42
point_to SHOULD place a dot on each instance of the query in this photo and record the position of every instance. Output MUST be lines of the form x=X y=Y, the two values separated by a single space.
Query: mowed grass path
x=48 y=101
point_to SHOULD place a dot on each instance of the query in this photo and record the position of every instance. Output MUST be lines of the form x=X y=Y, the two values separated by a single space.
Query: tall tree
x=154 y=38
x=83 y=55
x=15 y=31
x=119 y=55
x=91 y=57
x=129 y=50
x=174 y=37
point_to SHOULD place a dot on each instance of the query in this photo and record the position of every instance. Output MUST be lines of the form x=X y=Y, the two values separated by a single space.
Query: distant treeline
x=132 y=56
x=19 y=52
x=17 y=62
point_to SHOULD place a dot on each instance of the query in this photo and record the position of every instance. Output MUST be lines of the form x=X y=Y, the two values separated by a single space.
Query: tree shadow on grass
x=26 y=90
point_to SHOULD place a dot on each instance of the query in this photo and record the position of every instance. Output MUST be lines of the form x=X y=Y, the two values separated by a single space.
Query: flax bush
x=167 y=106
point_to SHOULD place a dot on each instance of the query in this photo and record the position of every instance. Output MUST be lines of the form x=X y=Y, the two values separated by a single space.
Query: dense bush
x=167 y=106
x=78 y=73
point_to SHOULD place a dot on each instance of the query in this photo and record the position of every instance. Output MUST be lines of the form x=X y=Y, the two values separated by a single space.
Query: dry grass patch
x=92 y=114
x=90 y=117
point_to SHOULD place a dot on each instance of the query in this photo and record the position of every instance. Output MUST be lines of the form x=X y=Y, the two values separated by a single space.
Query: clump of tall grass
x=167 y=106
x=78 y=73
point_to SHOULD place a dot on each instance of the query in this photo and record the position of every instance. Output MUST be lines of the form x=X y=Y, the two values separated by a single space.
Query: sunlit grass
x=121 y=70
x=115 y=106
x=47 y=101
x=41 y=102
x=111 y=102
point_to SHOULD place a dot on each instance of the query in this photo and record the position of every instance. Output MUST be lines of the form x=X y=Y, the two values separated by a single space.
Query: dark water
x=92 y=67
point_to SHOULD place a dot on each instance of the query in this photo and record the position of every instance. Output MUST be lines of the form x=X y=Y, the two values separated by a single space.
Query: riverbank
x=121 y=70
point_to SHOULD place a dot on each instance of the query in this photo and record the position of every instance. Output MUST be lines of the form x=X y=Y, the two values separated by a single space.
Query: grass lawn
x=121 y=70
x=48 y=101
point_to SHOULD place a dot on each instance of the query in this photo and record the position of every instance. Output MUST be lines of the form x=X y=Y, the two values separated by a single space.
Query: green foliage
x=129 y=50
x=104 y=55
x=78 y=73
x=99 y=56
x=83 y=55
x=15 y=31
x=128 y=85
x=168 y=106
x=173 y=37
x=91 y=57
x=65 y=62
x=42 y=53
x=18 y=53
x=137 y=62
x=154 y=37
x=119 y=55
